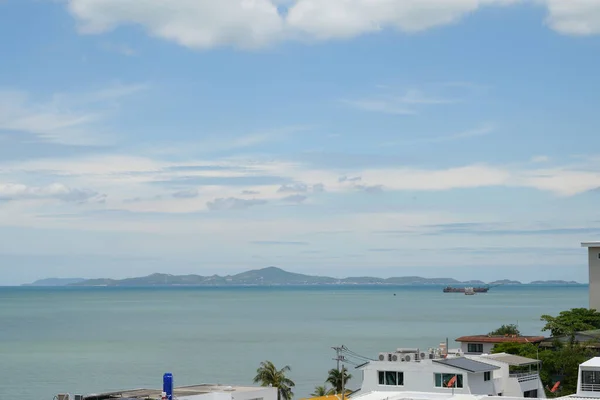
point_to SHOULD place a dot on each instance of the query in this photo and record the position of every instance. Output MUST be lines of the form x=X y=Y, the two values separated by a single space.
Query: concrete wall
x=487 y=347
x=419 y=377
x=258 y=394
x=594 y=272
x=267 y=393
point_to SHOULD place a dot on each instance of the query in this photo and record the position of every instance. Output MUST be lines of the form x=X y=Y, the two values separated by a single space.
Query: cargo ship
x=450 y=289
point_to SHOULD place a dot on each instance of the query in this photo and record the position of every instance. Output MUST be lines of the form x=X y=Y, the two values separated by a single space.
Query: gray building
x=594 y=271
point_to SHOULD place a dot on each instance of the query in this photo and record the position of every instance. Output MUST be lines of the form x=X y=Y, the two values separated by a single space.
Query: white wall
x=479 y=386
x=594 y=272
x=419 y=377
x=267 y=393
x=487 y=347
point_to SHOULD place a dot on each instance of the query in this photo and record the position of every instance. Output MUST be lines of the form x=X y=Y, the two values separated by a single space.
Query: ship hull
x=462 y=290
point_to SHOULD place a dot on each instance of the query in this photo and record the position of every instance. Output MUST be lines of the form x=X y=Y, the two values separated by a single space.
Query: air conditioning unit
x=431 y=356
x=422 y=356
x=394 y=357
x=407 y=358
x=385 y=356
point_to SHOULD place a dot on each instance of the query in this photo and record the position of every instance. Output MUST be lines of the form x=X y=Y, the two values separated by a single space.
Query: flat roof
x=467 y=364
x=513 y=360
x=182 y=391
x=500 y=339
x=590 y=244
x=592 y=362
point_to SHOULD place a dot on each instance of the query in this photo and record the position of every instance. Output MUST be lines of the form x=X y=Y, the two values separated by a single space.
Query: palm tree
x=268 y=375
x=322 y=391
x=335 y=379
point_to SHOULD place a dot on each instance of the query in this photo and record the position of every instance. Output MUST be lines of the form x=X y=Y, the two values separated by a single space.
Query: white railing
x=590 y=387
x=525 y=376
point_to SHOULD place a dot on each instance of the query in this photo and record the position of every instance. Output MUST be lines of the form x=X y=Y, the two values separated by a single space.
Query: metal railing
x=525 y=376
x=590 y=387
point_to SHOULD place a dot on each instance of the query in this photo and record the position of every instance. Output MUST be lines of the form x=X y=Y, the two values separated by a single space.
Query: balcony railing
x=525 y=376
x=590 y=387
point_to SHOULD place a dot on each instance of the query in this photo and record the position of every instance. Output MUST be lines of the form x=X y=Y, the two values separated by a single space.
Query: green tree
x=510 y=329
x=321 y=391
x=572 y=321
x=268 y=375
x=338 y=378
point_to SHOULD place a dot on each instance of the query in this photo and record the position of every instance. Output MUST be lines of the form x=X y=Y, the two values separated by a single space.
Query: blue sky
x=437 y=138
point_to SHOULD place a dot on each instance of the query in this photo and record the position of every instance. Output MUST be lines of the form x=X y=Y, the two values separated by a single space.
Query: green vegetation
x=321 y=391
x=338 y=379
x=574 y=320
x=510 y=329
x=334 y=378
x=561 y=363
x=268 y=375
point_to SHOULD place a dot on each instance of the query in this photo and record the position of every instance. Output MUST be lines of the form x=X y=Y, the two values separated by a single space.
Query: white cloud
x=204 y=24
x=192 y=23
x=335 y=19
x=574 y=17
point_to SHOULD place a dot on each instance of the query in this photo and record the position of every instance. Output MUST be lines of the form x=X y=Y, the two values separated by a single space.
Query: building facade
x=594 y=273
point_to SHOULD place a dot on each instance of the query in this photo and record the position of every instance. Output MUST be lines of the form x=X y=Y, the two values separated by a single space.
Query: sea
x=94 y=340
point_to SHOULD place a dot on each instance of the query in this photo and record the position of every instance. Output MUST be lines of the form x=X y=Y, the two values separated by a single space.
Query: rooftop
x=467 y=364
x=590 y=244
x=513 y=360
x=592 y=362
x=179 y=392
x=500 y=339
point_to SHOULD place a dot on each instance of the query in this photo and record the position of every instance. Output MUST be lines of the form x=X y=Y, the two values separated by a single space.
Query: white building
x=594 y=273
x=588 y=384
x=197 y=392
x=408 y=370
x=483 y=344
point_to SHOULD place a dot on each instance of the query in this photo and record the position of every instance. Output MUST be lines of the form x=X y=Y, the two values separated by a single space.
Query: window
x=475 y=347
x=590 y=377
x=391 y=378
x=487 y=376
x=530 y=393
x=442 y=380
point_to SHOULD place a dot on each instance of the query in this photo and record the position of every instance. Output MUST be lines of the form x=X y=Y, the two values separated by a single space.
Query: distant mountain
x=55 y=282
x=555 y=282
x=506 y=282
x=272 y=276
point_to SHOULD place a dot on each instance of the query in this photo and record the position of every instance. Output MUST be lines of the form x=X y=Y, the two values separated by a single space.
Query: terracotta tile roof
x=500 y=339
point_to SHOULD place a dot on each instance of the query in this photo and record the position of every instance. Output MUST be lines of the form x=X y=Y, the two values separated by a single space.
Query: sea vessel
x=469 y=291
x=481 y=289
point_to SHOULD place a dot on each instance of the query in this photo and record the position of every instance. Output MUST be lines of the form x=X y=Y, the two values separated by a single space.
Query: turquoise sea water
x=87 y=340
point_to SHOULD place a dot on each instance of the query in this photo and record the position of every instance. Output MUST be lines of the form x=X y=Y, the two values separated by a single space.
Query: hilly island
x=268 y=277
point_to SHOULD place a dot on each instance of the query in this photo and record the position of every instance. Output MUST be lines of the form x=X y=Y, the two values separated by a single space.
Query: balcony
x=590 y=387
x=525 y=376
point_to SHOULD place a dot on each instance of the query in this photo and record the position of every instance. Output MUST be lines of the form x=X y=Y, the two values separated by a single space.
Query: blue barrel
x=168 y=385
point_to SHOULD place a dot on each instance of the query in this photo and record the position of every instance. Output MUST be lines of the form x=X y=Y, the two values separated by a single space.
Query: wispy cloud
x=406 y=104
x=233 y=203
x=483 y=130
x=66 y=118
x=278 y=243
x=15 y=192
x=295 y=198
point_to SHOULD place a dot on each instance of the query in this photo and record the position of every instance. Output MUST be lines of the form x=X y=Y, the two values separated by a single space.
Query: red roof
x=500 y=339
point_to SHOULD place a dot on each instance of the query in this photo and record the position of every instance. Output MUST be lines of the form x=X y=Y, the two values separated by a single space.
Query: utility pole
x=338 y=355
x=340 y=359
